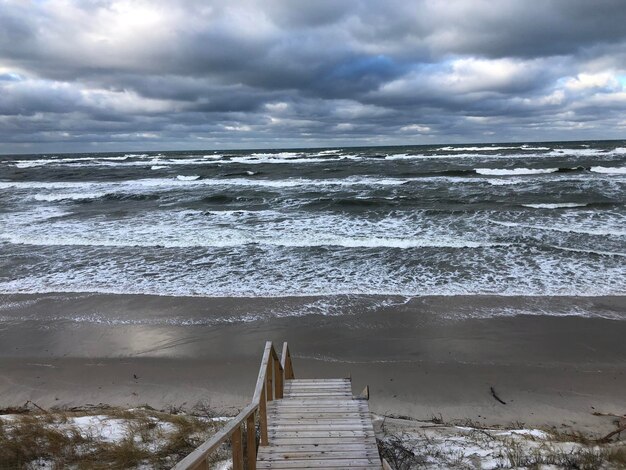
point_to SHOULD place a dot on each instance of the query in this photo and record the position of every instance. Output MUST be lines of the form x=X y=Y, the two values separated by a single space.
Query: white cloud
x=586 y=81
x=415 y=128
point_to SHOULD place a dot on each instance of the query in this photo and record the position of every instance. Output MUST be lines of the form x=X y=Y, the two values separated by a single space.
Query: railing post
x=286 y=362
x=263 y=419
x=237 y=449
x=251 y=442
x=279 y=378
x=269 y=385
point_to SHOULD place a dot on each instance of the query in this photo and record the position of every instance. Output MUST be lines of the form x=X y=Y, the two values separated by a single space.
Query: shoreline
x=550 y=370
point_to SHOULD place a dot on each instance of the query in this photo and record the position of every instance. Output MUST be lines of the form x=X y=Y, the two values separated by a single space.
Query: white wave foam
x=489 y=147
x=135 y=155
x=564 y=228
x=261 y=160
x=514 y=171
x=609 y=170
x=158 y=167
x=67 y=196
x=187 y=178
x=555 y=205
x=530 y=147
x=226 y=239
x=37 y=214
x=468 y=156
x=276 y=155
x=586 y=152
x=404 y=156
x=163 y=183
x=329 y=152
x=505 y=182
x=28 y=164
x=595 y=252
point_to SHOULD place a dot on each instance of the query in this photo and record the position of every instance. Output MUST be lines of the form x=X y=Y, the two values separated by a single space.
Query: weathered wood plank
x=270 y=457
x=319 y=434
x=343 y=385
x=296 y=381
x=334 y=447
x=321 y=422
x=300 y=428
x=339 y=463
x=279 y=441
x=308 y=415
x=339 y=402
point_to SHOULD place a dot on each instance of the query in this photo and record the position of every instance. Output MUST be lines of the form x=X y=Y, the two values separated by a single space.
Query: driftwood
x=608 y=437
x=621 y=426
x=493 y=394
x=35 y=405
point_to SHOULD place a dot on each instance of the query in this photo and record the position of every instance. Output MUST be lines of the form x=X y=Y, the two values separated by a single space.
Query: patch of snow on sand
x=100 y=426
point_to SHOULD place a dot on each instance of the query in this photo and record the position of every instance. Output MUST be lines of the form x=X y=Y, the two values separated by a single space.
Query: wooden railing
x=273 y=372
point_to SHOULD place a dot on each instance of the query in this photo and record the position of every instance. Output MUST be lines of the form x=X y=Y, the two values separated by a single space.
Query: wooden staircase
x=303 y=423
x=318 y=424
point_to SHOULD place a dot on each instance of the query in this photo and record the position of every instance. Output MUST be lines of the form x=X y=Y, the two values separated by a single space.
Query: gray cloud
x=156 y=74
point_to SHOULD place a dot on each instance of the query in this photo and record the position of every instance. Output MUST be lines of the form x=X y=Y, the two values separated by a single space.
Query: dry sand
x=421 y=358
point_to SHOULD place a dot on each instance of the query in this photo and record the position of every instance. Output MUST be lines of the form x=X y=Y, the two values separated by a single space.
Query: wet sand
x=432 y=356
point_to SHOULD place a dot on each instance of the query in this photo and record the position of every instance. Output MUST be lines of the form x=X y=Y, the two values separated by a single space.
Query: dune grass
x=144 y=437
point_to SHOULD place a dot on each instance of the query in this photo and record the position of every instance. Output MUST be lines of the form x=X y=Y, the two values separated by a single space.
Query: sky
x=106 y=75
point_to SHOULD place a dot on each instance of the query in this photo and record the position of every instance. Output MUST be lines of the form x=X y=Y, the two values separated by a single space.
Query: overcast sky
x=103 y=75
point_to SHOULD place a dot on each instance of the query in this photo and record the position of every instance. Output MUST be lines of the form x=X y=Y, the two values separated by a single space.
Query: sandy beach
x=424 y=357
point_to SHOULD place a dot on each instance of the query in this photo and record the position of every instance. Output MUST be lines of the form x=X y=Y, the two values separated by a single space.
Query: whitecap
x=595 y=252
x=67 y=196
x=564 y=228
x=586 y=152
x=555 y=205
x=514 y=171
x=187 y=178
x=478 y=149
x=609 y=170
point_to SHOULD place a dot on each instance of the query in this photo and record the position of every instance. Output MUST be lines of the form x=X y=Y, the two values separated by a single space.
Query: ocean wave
x=148 y=183
x=230 y=240
x=585 y=152
x=564 y=228
x=609 y=170
x=557 y=205
x=158 y=167
x=187 y=177
x=277 y=155
x=514 y=171
x=28 y=164
x=588 y=251
x=506 y=182
x=68 y=197
x=451 y=148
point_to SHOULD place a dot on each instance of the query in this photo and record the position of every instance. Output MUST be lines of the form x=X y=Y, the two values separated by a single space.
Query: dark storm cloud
x=198 y=74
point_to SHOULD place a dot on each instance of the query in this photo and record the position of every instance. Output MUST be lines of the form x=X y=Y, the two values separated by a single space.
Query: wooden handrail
x=268 y=387
x=285 y=362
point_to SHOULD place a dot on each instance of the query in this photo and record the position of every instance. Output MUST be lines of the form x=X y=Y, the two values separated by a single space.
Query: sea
x=506 y=219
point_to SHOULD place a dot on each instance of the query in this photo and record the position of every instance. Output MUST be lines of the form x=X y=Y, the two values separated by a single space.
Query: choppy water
x=534 y=219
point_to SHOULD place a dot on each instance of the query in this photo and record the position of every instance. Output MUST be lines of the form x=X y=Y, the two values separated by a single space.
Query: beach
x=423 y=357
x=462 y=283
